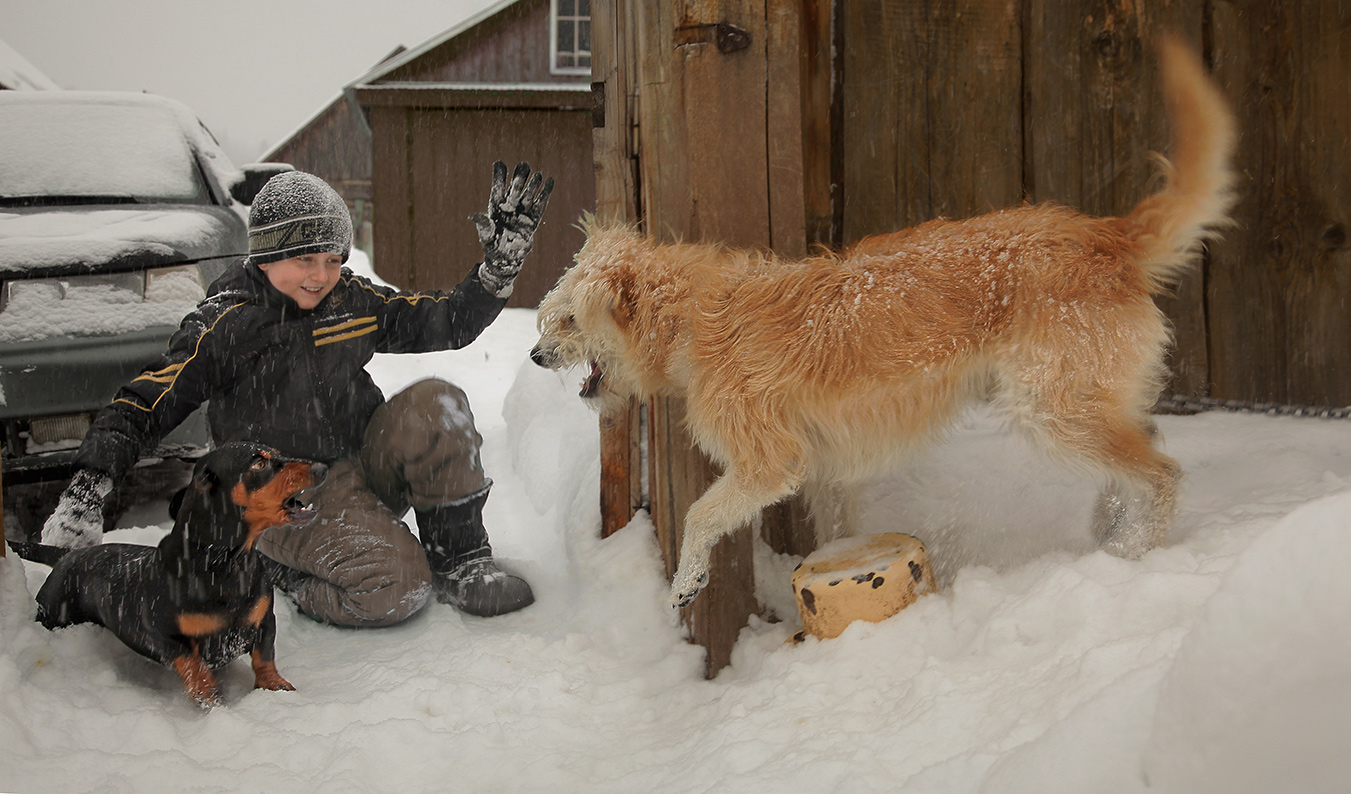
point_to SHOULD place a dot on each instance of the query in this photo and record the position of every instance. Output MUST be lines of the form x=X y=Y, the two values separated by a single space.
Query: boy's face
x=305 y=279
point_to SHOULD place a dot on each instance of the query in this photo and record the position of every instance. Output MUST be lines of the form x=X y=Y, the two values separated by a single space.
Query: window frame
x=554 y=68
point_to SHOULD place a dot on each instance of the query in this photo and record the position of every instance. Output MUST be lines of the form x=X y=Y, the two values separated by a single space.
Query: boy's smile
x=305 y=279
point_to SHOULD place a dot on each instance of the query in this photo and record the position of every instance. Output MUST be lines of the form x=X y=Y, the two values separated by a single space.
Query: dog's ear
x=176 y=501
x=204 y=480
x=615 y=296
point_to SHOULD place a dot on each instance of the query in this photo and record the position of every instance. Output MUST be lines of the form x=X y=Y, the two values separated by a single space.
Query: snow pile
x=1214 y=664
x=1259 y=695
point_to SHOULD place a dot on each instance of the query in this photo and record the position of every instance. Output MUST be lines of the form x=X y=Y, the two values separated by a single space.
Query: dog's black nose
x=541 y=358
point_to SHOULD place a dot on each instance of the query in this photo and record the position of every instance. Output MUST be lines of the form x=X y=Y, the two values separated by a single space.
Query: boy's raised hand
x=507 y=229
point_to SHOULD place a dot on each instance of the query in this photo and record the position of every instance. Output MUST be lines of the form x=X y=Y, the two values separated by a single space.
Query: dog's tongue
x=592 y=381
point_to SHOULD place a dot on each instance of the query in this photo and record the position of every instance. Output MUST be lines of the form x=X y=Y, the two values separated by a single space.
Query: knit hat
x=296 y=214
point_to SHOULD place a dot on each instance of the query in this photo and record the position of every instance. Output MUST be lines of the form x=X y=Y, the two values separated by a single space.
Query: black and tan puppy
x=200 y=599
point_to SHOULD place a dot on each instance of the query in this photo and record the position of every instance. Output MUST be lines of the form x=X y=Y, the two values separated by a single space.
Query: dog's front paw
x=206 y=701
x=684 y=589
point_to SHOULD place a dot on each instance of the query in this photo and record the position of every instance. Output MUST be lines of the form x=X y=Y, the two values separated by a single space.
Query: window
x=570 y=40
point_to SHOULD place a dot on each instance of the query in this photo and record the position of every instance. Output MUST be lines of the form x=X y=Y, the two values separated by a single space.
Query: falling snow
x=1216 y=663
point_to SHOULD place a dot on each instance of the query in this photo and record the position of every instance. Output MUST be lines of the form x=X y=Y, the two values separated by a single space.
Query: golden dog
x=814 y=375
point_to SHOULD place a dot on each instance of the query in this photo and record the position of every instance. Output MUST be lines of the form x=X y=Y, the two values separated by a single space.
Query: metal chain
x=1179 y=403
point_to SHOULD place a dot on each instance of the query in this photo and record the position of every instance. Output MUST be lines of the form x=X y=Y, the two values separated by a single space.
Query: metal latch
x=728 y=38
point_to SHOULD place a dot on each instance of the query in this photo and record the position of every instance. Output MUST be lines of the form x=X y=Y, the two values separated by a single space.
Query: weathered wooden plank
x=1279 y=285
x=613 y=65
x=821 y=105
x=932 y=111
x=722 y=97
x=873 y=75
x=784 y=128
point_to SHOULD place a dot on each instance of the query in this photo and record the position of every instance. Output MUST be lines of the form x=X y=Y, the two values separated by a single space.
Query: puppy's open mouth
x=299 y=509
x=592 y=382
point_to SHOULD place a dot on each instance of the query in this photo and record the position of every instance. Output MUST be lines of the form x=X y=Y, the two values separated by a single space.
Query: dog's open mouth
x=299 y=509
x=592 y=382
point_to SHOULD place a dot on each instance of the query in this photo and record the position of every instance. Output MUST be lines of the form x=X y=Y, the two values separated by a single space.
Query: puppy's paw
x=274 y=683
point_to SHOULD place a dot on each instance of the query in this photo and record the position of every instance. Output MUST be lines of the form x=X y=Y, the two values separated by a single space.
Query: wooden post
x=704 y=138
x=702 y=118
x=613 y=143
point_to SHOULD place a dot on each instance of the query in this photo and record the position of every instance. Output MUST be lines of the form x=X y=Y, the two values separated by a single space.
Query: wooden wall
x=954 y=108
x=433 y=149
x=1279 y=285
x=841 y=118
x=511 y=46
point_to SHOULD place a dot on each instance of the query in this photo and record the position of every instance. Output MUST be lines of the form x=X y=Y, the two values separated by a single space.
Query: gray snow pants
x=366 y=567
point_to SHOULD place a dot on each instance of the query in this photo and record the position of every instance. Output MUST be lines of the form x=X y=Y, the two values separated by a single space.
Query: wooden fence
x=785 y=123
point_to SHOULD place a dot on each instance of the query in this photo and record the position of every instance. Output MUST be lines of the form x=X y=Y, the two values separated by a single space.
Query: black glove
x=78 y=519
x=507 y=229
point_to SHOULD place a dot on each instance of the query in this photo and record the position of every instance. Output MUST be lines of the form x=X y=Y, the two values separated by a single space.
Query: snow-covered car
x=116 y=211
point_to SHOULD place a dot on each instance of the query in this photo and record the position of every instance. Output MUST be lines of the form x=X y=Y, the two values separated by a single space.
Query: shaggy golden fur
x=813 y=375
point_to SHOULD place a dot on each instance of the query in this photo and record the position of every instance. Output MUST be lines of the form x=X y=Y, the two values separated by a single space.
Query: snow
x=82 y=144
x=1216 y=663
x=44 y=239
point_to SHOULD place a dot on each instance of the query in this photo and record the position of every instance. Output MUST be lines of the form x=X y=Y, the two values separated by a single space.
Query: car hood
x=49 y=239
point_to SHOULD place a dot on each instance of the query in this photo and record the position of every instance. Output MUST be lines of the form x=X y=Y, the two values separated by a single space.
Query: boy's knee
x=422 y=447
x=430 y=413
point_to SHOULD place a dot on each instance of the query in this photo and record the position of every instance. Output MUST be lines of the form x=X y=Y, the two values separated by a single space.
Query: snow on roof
x=581 y=88
x=342 y=94
x=430 y=44
x=17 y=73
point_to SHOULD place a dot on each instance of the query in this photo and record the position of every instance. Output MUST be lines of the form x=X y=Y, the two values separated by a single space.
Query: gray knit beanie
x=295 y=214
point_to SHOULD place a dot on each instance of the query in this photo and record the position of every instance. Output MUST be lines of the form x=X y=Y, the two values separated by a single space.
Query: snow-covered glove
x=78 y=519
x=507 y=229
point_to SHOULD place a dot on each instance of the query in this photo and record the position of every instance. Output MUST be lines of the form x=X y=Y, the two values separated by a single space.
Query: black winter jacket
x=278 y=374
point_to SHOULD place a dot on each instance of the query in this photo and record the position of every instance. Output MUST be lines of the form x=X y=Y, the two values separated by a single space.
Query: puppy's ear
x=176 y=501
x=205 y=481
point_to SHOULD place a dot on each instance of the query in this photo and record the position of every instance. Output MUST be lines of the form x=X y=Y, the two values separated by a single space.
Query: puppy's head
x=240 y=490
x=593 y=317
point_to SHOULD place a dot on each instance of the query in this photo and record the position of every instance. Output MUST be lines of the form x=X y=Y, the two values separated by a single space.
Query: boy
x=278 y=348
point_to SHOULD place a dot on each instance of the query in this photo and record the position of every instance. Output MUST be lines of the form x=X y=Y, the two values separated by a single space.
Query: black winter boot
x=463 y=571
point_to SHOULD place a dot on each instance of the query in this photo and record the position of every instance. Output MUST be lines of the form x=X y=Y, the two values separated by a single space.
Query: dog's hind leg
x=728 y=504
x=1136 y=506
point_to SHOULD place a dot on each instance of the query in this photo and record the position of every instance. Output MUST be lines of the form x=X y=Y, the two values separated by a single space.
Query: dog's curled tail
x=1194 y=204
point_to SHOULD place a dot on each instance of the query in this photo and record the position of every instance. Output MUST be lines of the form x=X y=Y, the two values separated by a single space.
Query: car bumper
x=50 y=390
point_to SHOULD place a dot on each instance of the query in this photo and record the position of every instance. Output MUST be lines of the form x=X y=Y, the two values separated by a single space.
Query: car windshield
x=93 y=153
